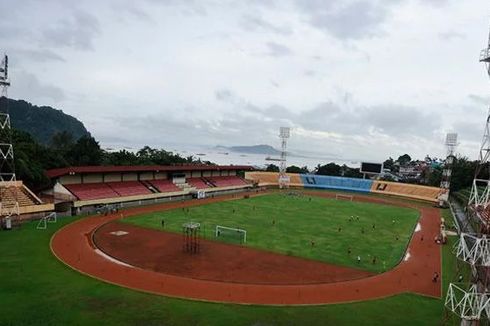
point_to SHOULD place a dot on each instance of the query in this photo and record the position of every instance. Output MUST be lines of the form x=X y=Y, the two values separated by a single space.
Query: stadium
x=114 y=235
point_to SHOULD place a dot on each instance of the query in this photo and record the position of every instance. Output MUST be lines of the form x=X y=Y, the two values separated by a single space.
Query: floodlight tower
x=8 y=206
x=284 y=133
x=471 y=301
x=451 y=143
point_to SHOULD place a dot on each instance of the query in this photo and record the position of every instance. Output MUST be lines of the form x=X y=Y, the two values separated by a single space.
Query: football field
x=327 y=230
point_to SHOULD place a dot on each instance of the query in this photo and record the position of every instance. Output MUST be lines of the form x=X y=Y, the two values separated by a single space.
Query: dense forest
x=41 y=122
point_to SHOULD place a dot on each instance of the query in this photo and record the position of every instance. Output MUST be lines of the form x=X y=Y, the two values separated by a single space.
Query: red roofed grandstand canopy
x=56 y=173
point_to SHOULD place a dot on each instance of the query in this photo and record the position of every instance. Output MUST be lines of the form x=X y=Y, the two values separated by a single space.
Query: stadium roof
x=55 y=173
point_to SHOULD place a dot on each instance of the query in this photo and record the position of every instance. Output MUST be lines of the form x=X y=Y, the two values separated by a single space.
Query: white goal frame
x=344 y=196
x=218 y=227
x=43 y=222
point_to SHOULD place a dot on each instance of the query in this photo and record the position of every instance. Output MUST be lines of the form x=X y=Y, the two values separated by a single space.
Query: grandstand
x=406 y=190
x=29 y=203
x=271 y=178
x=338 y=183
x=83 y=188
x=348 y=184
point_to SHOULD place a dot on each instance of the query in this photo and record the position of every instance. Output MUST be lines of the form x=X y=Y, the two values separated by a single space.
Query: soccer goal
x=344 y=197
x=231 y=234
x=43 y=222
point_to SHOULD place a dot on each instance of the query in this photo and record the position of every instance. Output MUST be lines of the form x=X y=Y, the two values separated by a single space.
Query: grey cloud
x=77 y=31
x=354 y=20
x=224 y=95
x=310 y=73
x=28 y=86
x=469 y=130
x=451 y=35
x=139 y=13
x=278 y=50
x=42 y=55
x=274 y=83
x=257 y=23
x=483 y=100
x=401 y=120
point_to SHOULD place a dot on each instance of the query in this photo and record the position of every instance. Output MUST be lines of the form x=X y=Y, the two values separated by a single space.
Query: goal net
x=344 y=197
x=231 y=234
x=43 y=222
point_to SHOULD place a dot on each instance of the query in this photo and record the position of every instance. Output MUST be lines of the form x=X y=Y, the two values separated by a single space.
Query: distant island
x=254 y=149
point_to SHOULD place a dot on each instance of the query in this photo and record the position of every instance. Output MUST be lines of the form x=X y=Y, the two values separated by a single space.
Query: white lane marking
x=418 y=227
x=407 y=256
x=119 y=233
x=103 y=254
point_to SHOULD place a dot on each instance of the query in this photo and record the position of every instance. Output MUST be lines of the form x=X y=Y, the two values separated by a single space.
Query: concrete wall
x=161 y=176
x=130 y=177
x=71 y=179
x=112 y=177
x=91 y=178
x=146 y=176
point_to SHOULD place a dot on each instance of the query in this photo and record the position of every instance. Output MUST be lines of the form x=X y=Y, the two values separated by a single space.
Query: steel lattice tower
x=451 y=143
x=8 y=194
x=284 y=133
x=470 y=301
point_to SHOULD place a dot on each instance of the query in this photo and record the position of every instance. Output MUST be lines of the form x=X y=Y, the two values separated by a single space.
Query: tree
x=329 y=169
x=62 y=141
x=31 y=159
x=404 y=159
x=351 y=172
x=297 y=169
x=463 y=172
x=272 y=168
x=122 y=157
x=388 y=164
x=86 y=151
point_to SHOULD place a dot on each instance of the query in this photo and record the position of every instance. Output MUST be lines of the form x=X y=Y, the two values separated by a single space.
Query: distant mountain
x=254 y=149
x=42 y=122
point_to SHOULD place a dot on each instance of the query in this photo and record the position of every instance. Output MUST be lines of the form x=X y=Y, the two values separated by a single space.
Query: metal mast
x=470 y=300
x=451 y=143
x=9 y=205
x=284 y=133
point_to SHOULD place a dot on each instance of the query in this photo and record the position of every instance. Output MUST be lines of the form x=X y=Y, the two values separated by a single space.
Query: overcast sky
x=360 y=79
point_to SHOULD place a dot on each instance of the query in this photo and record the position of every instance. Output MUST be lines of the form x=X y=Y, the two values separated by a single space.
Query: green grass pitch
x=37 y=289
x=290 y=224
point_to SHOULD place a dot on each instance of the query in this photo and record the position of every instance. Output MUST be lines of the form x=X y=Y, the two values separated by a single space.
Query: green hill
x=42 y=122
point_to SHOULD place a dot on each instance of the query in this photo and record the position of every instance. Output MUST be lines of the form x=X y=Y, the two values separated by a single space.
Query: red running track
x=73 y=245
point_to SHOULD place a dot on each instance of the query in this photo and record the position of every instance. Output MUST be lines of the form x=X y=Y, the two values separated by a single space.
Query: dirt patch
x=162 y=252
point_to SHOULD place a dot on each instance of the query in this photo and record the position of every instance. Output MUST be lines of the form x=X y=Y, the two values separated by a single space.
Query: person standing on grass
x=358 y=259
x=163 y=223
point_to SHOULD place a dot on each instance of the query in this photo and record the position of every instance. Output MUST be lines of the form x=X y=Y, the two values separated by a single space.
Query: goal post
x=344 y=197
x=43 y=222
x=231 y=233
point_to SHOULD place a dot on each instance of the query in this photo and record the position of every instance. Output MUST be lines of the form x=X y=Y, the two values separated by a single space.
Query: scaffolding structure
x=9 y=206
x=451 y=143
x=284 y=134
x=191 y=235
x=471 y=301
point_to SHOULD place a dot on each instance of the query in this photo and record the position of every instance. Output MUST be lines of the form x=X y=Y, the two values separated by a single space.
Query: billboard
x=371 y=168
